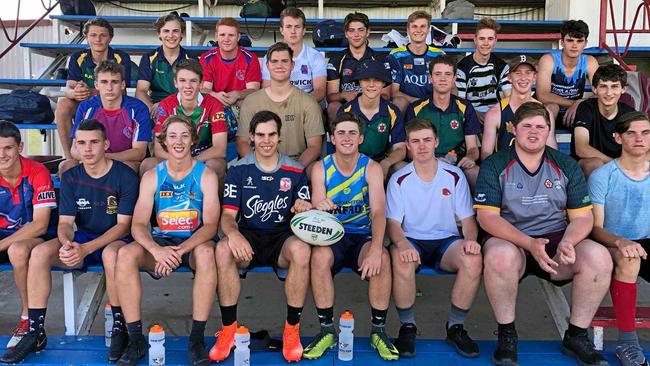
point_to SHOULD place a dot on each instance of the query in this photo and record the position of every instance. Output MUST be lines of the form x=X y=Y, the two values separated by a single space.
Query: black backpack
x=24 y=106
x=77 y=7
x=329 y=33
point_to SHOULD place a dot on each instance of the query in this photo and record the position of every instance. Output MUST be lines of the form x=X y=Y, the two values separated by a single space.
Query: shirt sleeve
x=129 y=186
x=207 y=70
x=74 y=71
x=301 y=190
x=598 y=185
x=577 y=191
x=332 y=70
x=410 y=113
x=471 y=124
x=396 y=70
x=584 y=117
x=266 y=75
x=397 y=131
x=217 y=117
x=319 y=65
x=313 y=118
x=143 y=120
x=463 y=198
x=504 y=83
x=461 y=83
x=254 y=71
x=144 y=70
x=164 y=110
x=488 y=188
x=79 y=116
x=44 y=195
x=394 y=201
x=67 y=205
x=232 y=189
x=245 y=115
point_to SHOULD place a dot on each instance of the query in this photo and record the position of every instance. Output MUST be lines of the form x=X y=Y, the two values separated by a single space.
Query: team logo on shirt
x=480 y=197
x=83 y=204
x=454 y=124
x=446 y=193
x=557 y=184
x=161 y=112
x=381 y=127
x=239 y=74
x=347 y=72
x=111 y=205
x=127 y=131
x=285 y=184
x=178 y=220
x=548 y=183
x=304 y=69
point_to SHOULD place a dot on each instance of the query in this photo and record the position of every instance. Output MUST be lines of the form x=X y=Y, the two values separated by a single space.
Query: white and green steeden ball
x=317 y=227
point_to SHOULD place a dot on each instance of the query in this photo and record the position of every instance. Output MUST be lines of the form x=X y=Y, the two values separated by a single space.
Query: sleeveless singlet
x=568 y=87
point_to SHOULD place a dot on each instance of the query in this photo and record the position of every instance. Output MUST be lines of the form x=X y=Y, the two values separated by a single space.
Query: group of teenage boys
x=536 y=212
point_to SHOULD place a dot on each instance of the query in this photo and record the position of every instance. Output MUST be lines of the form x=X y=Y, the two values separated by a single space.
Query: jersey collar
x=453 y=107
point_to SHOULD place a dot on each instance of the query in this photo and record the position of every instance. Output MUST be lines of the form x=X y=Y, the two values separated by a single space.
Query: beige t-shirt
x=300 y=114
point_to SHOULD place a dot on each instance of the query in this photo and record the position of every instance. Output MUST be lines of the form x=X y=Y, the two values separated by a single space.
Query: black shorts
x=431 y=251
x=532 y=267
x=644 y=272
x=168 y=242
x=4 y=257
x=267 y=246
x=347 y=250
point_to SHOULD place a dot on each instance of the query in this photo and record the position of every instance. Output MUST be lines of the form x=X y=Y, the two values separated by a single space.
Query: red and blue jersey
x=33 y=190
x=130 y=123
x=262 y=199
x=230 y=74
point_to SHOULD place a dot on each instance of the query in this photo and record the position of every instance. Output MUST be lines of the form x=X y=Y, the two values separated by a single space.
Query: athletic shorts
x=644 y=272
x=347 y=250
x=168 y=241
x=4 y=255
x=267 y=247
x=94 y=258
x=431 y=251
x=532 y=267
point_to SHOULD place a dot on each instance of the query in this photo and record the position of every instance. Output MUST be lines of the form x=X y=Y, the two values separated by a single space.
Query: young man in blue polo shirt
x=98 y=197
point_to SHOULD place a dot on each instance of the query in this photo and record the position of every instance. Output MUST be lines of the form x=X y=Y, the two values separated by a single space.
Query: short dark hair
x=347 y=117
x=278 y=47
x=171 y=17
x=189 y=64
x=178 y=118
x=293 y=13
x=110 y=66
x=356 y=17
x=98 y=22
x=624 y=122
x=417 y=124
x=444 y=59
x=92 y=125
x=488 y=23
x=263 y=117
x=532 y=109
x=9 y=129
x=575 y=29
x=610 y=72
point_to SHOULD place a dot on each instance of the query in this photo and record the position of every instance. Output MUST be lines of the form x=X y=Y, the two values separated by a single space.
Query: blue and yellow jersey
x=411 y=71
x=349 y=194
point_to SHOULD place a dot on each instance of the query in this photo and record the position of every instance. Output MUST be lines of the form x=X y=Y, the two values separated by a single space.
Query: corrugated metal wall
x=510 y=13
x=11 y=65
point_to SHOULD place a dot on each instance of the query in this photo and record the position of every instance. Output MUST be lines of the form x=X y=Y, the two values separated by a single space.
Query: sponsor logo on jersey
x=548 y=183
x=83 y=204
x=585 y=199
x=520 y=185
x=481 y=197
x=267 y=178
x=347 y=72
x=265 y=209
x=46 y=196
x=408 y=66
x=302 y=82
x=285 y=184
x=419 y=61
x=454 y=124
x=304 y=69
x=446 y=193
x=111 y=205
x=354 y=207
x=557 y=184
x=178 y=220
x=166 y=194
x=419 y=80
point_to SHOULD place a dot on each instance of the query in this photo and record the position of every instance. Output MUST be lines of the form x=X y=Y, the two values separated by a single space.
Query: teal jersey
x=178 y=203
x=349 y=194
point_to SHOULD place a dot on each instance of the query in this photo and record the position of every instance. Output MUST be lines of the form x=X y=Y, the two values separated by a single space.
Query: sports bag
x=77 y=7
x=255 y=9
x=24 y=106
x=329 y=33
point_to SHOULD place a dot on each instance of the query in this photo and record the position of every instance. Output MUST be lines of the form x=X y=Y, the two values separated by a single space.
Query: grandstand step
x=91 y=351
x=29 y=83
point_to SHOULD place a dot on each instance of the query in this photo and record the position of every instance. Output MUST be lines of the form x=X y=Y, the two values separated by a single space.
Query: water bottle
x=346 y=338
x=242 y=352
x=108 y=325
x=156 y=346
x=452 y=157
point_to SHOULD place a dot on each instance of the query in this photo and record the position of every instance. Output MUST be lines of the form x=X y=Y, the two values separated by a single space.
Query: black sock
x=507 y=327
x=134 y=328
x=198 y=331
x=119 y=324
x=293 y=314
x=378 y=320
x=37 y=321
x=228 y=314
x=326 y=319
x=574 y=330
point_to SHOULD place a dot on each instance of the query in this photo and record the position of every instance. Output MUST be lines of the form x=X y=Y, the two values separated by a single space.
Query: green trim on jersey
x=449 y=125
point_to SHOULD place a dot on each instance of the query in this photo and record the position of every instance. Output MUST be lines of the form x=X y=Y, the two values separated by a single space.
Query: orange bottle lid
x=347 y=315
x=241 y=330
x=156 y=328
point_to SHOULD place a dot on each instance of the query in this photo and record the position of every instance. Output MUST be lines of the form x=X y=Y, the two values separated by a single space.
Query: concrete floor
x=262 y=306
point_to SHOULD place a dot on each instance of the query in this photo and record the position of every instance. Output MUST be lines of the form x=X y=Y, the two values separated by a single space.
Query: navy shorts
x=347 y=250
x=94 y=258
x=168 y=241
x=267 y=247
x=431 y=251
x=644 y=272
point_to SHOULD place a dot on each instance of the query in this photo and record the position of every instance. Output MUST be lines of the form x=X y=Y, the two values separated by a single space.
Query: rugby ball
x=317 y=227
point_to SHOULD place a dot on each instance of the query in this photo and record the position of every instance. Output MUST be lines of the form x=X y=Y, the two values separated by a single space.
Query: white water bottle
x=346 y=338
x=242 y=352
x=108 y=325
x=156 y=346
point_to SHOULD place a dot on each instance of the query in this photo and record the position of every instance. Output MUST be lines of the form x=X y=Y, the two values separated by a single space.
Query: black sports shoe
x=506 y=352
x=198 y=355
x=135 y=350
x=30 y=343
x=582 y=349
x=405 y=342
x=119 y=341
x=458 y=338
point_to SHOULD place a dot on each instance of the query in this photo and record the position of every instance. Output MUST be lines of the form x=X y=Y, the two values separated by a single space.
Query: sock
x=378 y=320
x=457 y=316
x=624 y=301
x=628 y=338
x=198 y=330
x=509 y=327
x=23 y=317
x=135 y=328
x=119 y=324
x=293 y=314
x=406 y=315
x=574 y=330
x=37 y=321
x=326 y=319
x=228 y=314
